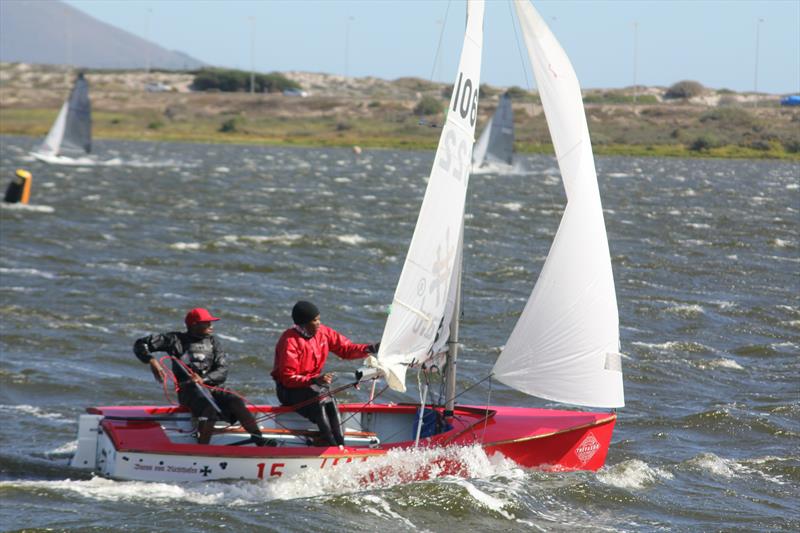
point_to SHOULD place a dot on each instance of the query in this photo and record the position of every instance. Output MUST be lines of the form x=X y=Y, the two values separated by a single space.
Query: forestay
x=419 y=302
x=565 y=346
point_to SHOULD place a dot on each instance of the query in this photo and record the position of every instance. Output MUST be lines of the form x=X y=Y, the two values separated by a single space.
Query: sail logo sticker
x=587 y=448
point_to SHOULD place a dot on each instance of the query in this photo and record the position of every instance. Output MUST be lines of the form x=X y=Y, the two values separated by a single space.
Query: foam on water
x=230 y=338
x=351 y=239
x=395 y=468
x=185 y=246
x=28 y=272
x=674 y=346
x=730 y=468
x=36 y=412
x=381 y=508
x=512 y=206
x=632 y=474
x=725 y=363
x=102 y=489
x=487 y=500
x=32 y=208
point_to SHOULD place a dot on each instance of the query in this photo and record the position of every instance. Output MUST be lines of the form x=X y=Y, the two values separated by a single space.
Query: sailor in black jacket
x=199 y=351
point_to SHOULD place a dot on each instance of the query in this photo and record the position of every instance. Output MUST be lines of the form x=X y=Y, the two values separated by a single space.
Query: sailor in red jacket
x=300 y=356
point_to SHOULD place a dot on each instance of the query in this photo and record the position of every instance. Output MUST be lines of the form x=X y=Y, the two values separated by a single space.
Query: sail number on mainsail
x=458 y=142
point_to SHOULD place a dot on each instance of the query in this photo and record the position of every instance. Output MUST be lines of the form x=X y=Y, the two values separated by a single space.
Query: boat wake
x=396 y=468
x=28 y=208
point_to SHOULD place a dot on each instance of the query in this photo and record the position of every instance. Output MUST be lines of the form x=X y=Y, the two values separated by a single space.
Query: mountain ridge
x=54 y=33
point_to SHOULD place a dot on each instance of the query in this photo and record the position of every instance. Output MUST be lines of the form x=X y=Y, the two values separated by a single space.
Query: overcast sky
x=713 y=42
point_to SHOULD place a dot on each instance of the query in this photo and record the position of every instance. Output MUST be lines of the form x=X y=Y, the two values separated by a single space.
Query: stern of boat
x=88 y=432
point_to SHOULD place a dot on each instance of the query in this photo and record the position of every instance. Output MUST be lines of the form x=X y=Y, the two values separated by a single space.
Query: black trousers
x=232 y=407
x=323 y=412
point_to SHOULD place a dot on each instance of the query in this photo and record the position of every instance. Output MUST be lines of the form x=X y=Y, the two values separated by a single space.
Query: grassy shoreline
x=339 y=131
x=400 y=143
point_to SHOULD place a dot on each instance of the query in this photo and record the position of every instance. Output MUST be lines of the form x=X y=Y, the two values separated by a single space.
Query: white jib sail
x=565 y=346
x=422 y=292
x=52 y=143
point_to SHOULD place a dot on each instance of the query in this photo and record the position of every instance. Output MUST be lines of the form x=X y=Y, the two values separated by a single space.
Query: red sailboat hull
x=147 y=443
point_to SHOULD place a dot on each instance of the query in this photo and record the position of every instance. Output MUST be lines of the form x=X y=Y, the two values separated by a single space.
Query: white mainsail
x=419 y=303
x=565 y=346
x=496 y=144
x=72 y=130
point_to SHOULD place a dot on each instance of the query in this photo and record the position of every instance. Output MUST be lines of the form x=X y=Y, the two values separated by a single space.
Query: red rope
x=171 y=376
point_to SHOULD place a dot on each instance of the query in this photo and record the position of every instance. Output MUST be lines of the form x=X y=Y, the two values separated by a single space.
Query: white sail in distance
x=419 y=302
x=496 y=143
x=72 y=130
x=52 y=143
x=565 y=346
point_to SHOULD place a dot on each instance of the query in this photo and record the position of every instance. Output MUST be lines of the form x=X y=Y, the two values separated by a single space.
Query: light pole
x=347 y=45
x=635 y=58
x=252 y=54
x=755 y=75
x=147 y=38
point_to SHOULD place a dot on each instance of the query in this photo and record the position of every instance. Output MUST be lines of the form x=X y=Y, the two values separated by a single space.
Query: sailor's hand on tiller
x=326 y=379
x=155 y=368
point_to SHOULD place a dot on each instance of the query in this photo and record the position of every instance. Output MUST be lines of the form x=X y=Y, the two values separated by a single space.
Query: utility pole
x=69 y=36
x=755 y=75
x=147 y=38
x=252 y=55
x=635 y=59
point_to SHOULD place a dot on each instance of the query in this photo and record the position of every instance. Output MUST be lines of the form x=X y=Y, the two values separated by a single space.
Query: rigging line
x=439 y=46
x=488 y=403
x=357 y=412
x=472 y=386
x=519 y=48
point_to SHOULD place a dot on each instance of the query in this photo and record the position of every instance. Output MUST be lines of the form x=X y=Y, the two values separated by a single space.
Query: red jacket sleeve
x=343 y=347
x=288 y=355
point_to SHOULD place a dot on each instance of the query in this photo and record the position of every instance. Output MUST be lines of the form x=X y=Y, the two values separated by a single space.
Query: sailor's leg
x=235 y=406
x=324 y=424
x=206 y=427
x=332 y=412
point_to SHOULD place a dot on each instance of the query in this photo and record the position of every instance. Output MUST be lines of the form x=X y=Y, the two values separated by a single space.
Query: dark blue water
x=707 y=265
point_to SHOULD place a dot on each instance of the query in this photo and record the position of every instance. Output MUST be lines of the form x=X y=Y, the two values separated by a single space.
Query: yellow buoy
x=19 y=190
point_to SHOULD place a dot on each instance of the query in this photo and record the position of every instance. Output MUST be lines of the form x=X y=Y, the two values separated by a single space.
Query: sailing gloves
x=373 y=348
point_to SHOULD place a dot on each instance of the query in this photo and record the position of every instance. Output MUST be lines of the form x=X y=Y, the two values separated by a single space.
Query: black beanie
x=304 y=312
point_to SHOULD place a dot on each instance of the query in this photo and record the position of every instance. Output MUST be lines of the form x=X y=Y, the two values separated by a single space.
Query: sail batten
x=569 y=327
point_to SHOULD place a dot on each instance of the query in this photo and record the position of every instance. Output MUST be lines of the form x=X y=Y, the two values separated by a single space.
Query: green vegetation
x=685 y=89
x=228 y=80
x=428 y=105
x=229 y=126
x=617 y=97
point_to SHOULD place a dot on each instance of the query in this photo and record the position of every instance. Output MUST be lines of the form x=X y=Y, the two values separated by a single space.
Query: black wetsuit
x=204 y=356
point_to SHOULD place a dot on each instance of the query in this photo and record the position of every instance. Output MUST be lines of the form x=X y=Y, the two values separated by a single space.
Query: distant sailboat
x=494 y=149
x=69 y=140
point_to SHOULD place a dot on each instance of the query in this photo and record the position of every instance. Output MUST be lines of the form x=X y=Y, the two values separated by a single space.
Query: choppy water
x=707 y=262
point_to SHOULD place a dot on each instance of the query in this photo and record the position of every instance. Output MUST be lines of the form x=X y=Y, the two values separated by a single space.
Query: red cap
x=198 y=314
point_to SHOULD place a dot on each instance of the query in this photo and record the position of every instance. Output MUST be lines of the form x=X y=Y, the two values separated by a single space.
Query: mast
x=452 y=343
